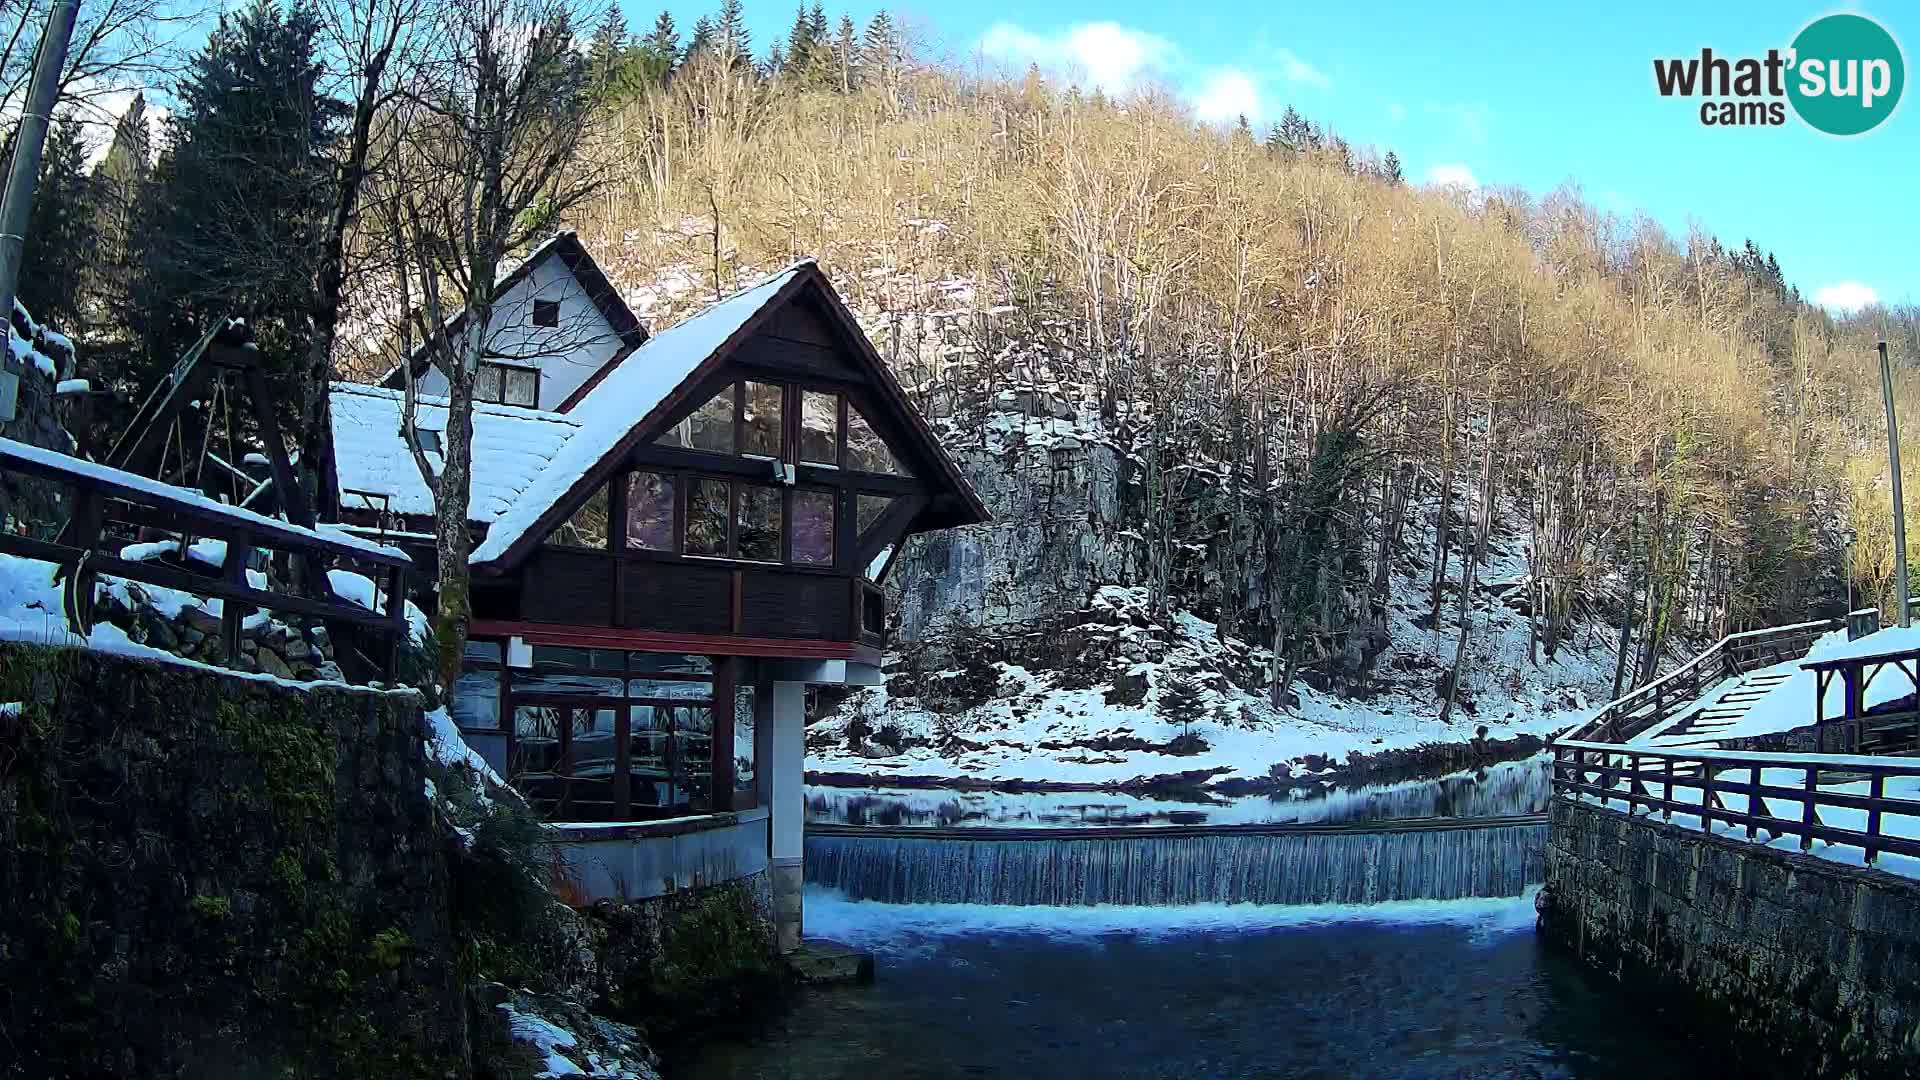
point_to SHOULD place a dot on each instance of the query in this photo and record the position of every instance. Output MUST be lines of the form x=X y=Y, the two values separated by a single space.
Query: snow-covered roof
x=623 y=399
x=511 y=447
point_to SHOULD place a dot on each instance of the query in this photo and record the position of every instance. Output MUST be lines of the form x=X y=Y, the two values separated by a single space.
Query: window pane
x=743 y=747
x=813 y=528
x=866 y=450
x=676 y=689
x=709 y=428
x=712 y=426
x=819 y=428
x=588 y=525
x=481 y=650
x=669 y=663
x=648 y=761
x=759 y=531
x=486 y=383
x=867 y=510
x=536 y=730
x=592 y=750
x=650 y=511
x=706 y=516
x=522 y=387
x=692 y=758
x=762 y=425
x=476 y=699
x=568 y=658
x=546 y=313
x=565 y=682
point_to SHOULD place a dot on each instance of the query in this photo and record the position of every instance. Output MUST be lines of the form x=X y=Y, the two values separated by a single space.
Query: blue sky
x=1496 y=94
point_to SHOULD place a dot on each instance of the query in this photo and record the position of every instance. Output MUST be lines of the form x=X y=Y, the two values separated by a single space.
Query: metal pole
x=1893 y=463
x=29 y=139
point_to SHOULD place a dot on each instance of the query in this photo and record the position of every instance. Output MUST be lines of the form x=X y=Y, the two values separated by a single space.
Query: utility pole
x=1893 y=463
x=29 y=139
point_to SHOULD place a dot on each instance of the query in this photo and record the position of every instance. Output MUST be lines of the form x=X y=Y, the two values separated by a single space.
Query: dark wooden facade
x=673 y=591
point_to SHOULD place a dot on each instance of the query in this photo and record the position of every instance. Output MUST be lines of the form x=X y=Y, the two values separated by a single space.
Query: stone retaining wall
x=212 y=876
x=1811 y=967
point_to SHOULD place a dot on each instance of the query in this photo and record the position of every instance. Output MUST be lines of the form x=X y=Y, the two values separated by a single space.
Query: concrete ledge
x=637 y=860
x=821 y=962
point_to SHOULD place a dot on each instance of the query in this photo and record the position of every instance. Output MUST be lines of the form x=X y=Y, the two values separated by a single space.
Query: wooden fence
x=1733 y=788
x=103 y=498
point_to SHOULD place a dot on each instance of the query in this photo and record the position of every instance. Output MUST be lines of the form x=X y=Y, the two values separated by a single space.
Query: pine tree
x=607 y=46
x=800 y=39
x=702 y=40
x=1390 y=169
x=61 y=226
x=659 y=51
x=232 y=222
x=880 y=50
x=118 y=181
x=1296 y=134
x=731 y=27
x=1180 y=704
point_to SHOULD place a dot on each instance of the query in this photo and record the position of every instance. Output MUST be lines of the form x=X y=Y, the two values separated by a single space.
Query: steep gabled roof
x=633 y=396
x=566 y=247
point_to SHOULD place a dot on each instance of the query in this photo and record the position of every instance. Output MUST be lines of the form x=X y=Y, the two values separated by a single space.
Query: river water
x=1420 y=989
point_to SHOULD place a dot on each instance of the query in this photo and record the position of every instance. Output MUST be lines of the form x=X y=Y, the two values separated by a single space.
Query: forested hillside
x=1365 y=432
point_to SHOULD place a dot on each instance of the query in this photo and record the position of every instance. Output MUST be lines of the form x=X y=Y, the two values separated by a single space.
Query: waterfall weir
x=1357 y=863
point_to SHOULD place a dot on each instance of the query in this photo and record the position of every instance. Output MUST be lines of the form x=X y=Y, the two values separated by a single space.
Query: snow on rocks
x=561 y=1039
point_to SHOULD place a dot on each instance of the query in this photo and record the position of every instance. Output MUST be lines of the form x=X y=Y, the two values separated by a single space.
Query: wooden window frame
x=504 y=369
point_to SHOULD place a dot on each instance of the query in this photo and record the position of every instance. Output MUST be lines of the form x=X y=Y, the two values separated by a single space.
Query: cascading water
x=1200 y=866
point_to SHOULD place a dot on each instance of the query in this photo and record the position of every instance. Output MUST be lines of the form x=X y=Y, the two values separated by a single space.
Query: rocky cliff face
x=1058 y=502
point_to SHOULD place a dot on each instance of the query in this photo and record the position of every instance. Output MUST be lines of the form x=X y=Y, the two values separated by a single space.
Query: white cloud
x=1226 y=95
x=1107 y=55
x=1297 y=70
x=1845 y=296
x=1452 y=175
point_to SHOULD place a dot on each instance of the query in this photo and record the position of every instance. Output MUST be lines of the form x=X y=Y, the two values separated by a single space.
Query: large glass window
x=757 y=535
x=707 y=510
x=866 y=450
x=819 y=428
x=709 y=428
x=580 y=716
x=813 y=528
x=744 y=787
x=762 y=421
x=588 y=525
x=650 y=511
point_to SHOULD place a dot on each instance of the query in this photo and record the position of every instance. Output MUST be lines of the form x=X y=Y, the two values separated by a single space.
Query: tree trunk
x=1471 y=571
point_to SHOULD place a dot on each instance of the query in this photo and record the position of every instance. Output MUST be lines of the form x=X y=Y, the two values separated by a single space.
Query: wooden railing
x=1733 y=788
x=1735 y=654
x=108 y=504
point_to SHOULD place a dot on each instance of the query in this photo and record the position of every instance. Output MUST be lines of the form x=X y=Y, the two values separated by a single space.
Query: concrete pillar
x=785 y=769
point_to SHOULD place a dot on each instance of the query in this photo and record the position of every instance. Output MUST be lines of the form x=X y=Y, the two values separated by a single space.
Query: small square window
x=546 y=313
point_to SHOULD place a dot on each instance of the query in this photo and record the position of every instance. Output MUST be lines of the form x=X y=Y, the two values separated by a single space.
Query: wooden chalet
x=696 y=531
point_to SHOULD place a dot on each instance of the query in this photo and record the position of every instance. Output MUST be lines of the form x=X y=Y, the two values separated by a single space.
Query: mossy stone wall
x=210 y=876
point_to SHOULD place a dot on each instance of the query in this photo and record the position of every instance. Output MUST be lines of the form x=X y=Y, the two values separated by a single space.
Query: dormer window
x=500 y=384
x=546 y=313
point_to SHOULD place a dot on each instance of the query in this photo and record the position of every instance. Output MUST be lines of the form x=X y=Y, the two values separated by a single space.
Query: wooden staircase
x=1698 y=728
